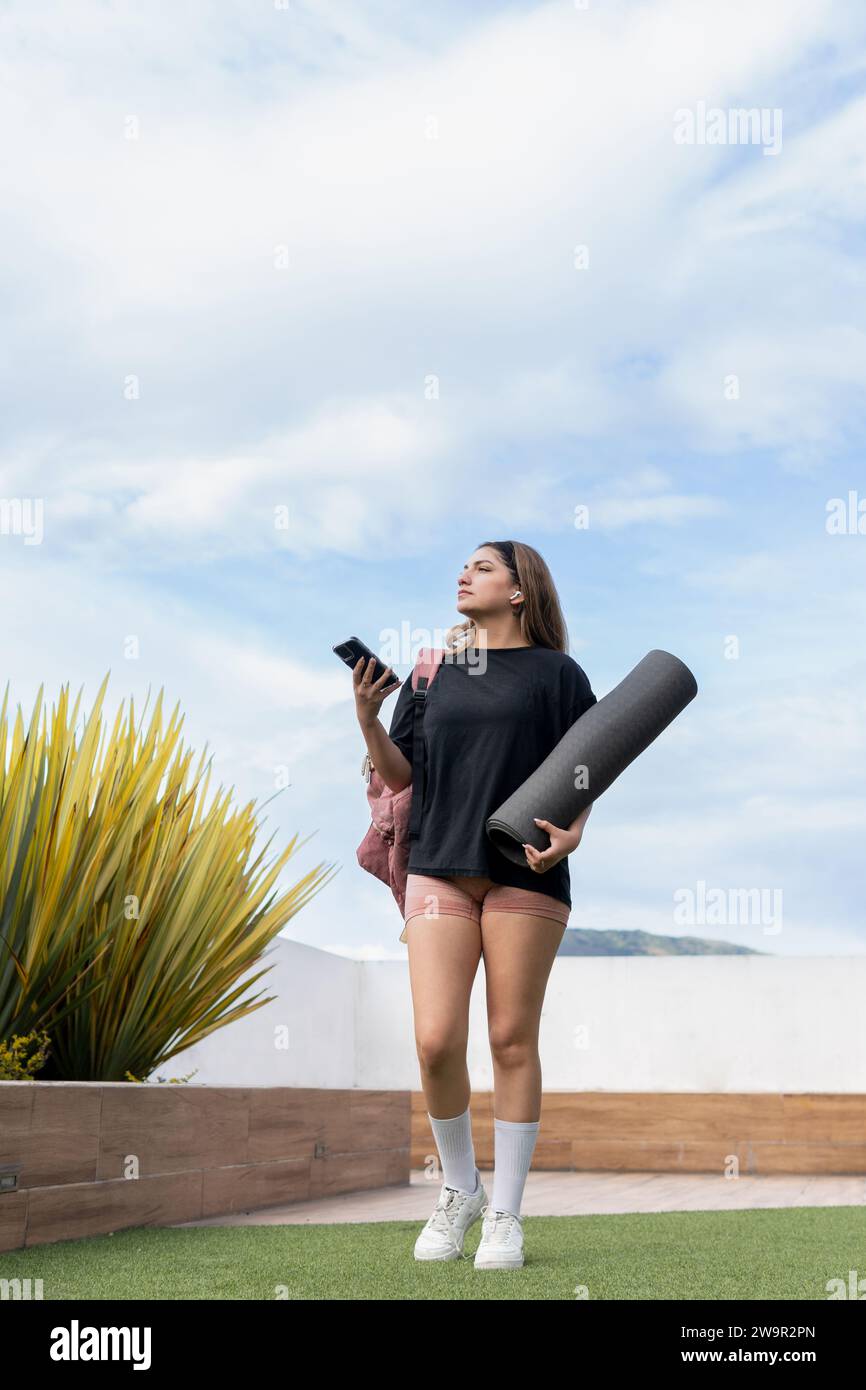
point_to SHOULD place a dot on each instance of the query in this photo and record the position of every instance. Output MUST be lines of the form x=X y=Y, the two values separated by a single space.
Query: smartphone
x=351 y=652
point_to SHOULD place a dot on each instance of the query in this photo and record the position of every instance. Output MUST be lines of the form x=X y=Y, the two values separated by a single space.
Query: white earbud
x=517 y=594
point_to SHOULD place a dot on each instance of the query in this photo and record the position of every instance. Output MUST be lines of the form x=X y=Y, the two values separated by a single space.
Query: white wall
x=609 y=1023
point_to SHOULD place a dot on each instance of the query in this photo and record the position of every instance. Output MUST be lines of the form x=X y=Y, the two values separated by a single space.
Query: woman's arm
x=394 y=769
x=392 y=766
x=562 y=842
x=576 y=827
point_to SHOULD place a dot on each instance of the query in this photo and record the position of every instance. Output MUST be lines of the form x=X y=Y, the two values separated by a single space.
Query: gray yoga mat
x=610 y=735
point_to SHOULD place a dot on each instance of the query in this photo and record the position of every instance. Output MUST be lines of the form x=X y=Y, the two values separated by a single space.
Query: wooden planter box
x=676 y=1132
x=81 y=1158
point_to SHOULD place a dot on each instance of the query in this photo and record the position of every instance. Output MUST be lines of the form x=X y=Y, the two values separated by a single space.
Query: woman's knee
x=512 y=1044
x=440 y=1050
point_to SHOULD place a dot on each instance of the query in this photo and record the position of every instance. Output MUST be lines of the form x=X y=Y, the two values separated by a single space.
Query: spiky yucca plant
x=128 y=911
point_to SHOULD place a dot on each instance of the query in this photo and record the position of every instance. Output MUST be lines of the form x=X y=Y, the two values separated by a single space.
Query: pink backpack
x=396 y=816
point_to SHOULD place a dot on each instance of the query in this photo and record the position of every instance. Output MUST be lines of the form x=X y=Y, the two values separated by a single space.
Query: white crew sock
x=454 y=1142
x=513 y=1146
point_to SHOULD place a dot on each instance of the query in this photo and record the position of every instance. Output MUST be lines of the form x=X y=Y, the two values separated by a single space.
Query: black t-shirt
x=490 y=720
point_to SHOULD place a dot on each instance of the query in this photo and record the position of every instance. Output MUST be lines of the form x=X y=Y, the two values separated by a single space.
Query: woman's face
x=485 y=585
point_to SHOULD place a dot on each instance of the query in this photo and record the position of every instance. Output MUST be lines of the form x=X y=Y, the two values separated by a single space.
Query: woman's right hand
x=370 y=694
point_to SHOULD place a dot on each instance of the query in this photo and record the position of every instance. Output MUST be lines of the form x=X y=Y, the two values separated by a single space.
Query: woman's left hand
x=562 y=842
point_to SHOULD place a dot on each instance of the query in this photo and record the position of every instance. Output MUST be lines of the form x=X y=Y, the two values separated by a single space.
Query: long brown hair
x=540 y=613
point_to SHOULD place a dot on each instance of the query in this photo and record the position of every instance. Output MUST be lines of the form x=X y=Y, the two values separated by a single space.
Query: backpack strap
x=427 y=664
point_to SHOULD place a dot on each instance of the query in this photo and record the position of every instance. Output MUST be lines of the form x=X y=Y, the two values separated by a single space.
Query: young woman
x=505 y=694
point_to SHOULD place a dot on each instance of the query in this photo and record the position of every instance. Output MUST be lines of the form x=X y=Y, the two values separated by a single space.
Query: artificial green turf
x=777 y=1253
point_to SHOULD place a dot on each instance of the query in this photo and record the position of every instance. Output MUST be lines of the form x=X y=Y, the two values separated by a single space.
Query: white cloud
x=155 y=256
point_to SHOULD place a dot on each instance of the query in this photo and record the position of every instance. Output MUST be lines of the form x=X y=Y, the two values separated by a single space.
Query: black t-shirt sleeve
x=402 y=719
x=575 y=692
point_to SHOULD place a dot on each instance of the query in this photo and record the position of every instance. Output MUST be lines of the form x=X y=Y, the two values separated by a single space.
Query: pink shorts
x=439 y=897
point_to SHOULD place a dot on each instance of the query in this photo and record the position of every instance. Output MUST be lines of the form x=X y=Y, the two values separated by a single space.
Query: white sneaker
x=442 y=1238
x=501 y=1244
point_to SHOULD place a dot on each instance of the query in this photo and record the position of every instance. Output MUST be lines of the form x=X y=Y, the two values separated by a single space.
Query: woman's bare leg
x=519 y=951
x=443 y=960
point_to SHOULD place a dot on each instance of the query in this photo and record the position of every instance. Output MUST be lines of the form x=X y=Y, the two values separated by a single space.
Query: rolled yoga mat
x=604 y=740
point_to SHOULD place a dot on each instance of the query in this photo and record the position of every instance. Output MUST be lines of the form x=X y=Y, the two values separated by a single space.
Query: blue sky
x=240 y=242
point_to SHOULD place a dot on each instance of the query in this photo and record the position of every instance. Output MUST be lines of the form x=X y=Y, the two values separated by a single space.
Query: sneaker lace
x=498 y=1225
x=448 y=1205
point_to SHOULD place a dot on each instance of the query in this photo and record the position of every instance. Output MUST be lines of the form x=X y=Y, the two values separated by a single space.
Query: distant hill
x=579 y=941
